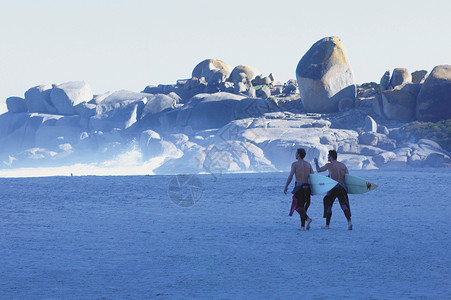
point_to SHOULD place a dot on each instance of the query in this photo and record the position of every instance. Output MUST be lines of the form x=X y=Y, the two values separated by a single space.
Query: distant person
x=337 y=171
x=301 y=192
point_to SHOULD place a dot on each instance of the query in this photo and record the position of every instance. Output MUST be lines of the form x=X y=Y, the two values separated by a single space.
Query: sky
x=130 y=44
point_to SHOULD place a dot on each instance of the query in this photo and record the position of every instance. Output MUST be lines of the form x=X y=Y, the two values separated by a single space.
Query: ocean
x=222 y=236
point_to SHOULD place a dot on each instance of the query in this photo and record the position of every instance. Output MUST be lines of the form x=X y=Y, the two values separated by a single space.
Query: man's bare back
x=337 y=170
x=301 y=170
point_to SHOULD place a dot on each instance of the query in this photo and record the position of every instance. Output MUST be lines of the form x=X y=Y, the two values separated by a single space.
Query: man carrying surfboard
x=301 y=192
x=337 y=171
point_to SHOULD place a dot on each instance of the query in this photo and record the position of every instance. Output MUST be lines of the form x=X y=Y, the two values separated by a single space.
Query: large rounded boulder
x=37 y=100
x=400 y=77
x=64 y=97
x=399 y=103
x=214 y=71
x=242 y=73
x=16 y=105
x=120 y=110
x=434 y=99
x=325 y=77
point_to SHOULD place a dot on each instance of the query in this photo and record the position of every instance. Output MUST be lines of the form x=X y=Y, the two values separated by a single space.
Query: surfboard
x=357 y=185
x=320 y=184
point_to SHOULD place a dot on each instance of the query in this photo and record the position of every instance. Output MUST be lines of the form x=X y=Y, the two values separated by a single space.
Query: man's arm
x=318 y=169
x=290 y=177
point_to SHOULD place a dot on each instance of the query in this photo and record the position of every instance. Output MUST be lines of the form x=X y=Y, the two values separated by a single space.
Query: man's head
x=300 y=153
x=332 y=155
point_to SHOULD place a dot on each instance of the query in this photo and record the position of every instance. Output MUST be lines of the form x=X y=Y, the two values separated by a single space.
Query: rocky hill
x=226 y=119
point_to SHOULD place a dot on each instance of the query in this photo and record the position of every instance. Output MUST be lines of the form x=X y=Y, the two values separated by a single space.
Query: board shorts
x=301 y=197
x=338 y=191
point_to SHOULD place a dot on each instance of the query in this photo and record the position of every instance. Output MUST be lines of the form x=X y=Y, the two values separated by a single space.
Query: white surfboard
x=357 y=185
x=320 y=184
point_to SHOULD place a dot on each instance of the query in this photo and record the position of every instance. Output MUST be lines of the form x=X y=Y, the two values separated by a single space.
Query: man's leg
x=307 y=204
x=328 y=201
x=344 y=203
x=302 y=208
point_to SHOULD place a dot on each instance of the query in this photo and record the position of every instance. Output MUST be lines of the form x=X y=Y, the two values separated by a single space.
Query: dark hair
x=333 y=154
x=301 y=152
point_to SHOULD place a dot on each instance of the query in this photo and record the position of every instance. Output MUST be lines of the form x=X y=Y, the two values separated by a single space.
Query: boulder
x=260 y=80
x=67 y=95
x=16 y=105
x=208 y=111
x=263 y=92
x=378 y=140
x=438 y=160
x=385 y=81
x=290 y=88
x=378 y=106
x=370 y=150
x=434 y=98
x=353 y=148
x=354 y=162
x=97 y=99
x=384 y=158
x=38 y=100
x=282 y=152
x=370 y=125
x=157 y=103
x=399 y=103
x=419 y=76
x=279 y=138
x=190 y=161
x=214 y=71
x=400 y=77
x=368 y=138
x=325 y=77
x=233 y=156
x=427 y=153
x=18 y=130
x=120 y=110
x=242 y=74
x=152 y=89
x=152 y=145
x=157 y=106
x=10 y=122
x=383 y=129
x=194 y=86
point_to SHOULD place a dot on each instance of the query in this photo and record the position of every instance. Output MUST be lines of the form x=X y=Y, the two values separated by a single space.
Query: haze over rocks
x=230 y=119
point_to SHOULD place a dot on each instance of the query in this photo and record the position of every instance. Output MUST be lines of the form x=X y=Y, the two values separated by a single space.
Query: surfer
x=301 y=192
x=337 y=171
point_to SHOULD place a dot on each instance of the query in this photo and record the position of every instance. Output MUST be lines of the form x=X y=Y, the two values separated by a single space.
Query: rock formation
x=325 y=77
x=434 y=99
x=243 y=121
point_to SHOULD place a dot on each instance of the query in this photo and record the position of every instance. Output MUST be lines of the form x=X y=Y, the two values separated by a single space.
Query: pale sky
x=129 y=44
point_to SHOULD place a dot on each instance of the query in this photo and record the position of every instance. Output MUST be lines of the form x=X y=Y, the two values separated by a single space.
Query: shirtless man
x=337 y=171
x=301 y=192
